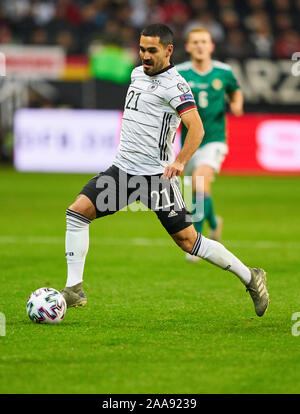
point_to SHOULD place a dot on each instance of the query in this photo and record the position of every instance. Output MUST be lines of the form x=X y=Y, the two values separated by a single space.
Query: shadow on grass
x=30 y=323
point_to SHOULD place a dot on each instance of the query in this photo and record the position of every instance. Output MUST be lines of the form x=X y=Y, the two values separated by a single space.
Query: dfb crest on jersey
x=154 y=85
x=183 y=87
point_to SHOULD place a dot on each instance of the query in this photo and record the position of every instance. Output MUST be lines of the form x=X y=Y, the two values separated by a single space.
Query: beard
x=153 y=67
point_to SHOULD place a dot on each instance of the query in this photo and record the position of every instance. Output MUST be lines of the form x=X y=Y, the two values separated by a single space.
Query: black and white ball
x=46 y=305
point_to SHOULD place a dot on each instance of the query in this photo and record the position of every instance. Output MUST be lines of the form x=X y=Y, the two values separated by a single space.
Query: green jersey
x=209 y=90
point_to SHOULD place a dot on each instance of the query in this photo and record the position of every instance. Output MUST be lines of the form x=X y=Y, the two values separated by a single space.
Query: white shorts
x=212 y=154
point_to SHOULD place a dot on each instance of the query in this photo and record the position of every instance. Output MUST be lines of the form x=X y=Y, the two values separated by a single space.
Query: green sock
x=209 y=211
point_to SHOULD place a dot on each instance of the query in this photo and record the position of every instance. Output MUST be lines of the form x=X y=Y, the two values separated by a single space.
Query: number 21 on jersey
x=132 y=100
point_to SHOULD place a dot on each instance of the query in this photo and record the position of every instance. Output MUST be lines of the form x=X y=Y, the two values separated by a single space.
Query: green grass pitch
x=153 y=323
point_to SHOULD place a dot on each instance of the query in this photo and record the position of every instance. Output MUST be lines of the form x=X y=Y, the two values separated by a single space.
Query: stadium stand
x=258 y=28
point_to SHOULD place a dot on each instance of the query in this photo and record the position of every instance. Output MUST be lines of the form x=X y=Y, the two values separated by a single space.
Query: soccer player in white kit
x=145 y=169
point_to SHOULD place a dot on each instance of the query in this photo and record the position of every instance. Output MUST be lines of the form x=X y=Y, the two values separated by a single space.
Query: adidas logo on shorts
x=172 y=213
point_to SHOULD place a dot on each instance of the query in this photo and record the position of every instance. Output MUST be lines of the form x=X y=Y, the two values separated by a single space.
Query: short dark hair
x=165 y=34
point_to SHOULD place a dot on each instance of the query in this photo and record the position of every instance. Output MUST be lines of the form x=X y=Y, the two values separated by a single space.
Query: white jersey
x=151 y=117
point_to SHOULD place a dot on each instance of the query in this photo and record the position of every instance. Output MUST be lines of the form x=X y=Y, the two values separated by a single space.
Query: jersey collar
x=202 y=73
x=171 y=65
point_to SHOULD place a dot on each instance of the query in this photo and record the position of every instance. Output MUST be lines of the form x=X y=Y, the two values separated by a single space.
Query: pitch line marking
x=261 y=244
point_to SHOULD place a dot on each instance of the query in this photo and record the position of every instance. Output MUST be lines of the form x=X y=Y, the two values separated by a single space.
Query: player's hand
x=236 y=108
x=174 y=169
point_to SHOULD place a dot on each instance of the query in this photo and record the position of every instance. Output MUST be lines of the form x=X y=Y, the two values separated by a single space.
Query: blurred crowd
x=240 y=28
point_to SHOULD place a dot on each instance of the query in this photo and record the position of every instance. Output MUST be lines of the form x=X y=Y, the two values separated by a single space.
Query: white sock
x=214 y=252
x=77 y=245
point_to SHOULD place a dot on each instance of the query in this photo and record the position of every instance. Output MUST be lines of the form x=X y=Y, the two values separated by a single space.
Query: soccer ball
x=46 y=305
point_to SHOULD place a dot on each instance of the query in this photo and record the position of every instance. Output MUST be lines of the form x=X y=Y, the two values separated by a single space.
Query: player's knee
x=82 y=205
x=203 y=185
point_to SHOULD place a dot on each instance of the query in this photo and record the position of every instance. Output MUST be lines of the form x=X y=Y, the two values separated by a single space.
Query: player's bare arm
x=236 y=102
x=193 y=123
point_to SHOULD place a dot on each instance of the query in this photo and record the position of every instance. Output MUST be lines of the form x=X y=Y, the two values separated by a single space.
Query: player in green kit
x=211 y=82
